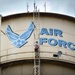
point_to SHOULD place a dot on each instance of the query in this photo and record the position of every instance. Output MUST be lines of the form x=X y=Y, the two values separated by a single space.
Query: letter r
x=57 y=32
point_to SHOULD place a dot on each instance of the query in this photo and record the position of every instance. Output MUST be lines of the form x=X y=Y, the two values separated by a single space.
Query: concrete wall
x=46 y=69
x=19 y=25
x=18 y=69
x=8 y=51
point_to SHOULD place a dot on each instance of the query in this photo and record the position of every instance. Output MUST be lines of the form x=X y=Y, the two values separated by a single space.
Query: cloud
x=18 y=6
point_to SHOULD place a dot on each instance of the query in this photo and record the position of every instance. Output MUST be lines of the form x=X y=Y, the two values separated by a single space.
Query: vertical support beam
x=37 y=62
x=45 y=6
x=27 y=7
x=0 y=43
x=36 y=38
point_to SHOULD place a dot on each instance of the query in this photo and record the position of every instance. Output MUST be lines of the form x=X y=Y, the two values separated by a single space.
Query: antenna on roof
x=45 y=6
x=34 y=6
x=27 y=7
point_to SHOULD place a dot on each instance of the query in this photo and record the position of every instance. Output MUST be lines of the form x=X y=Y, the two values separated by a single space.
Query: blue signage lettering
x=50 y=31
x=20 y=40
x=71 y=45
x=62 y=43
x=44 y=31
x=52 y=42
x=57 y=32
x=42 y=40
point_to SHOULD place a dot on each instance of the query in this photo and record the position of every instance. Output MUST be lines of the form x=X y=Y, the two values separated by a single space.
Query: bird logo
x=19 y=40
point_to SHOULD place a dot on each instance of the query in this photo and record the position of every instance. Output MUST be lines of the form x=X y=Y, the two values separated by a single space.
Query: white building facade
x=55 y=34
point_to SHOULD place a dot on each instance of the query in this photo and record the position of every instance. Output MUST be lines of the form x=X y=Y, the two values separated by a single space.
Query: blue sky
x=8 y=7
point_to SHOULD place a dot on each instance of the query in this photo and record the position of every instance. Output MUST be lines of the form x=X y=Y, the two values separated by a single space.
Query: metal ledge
x=45 y=58
x=45 y=14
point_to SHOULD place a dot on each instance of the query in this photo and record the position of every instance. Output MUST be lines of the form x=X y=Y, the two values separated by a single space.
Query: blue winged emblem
x=19 y=40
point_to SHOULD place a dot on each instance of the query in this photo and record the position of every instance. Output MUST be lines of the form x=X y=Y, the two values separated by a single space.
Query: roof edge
x=70 y=18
